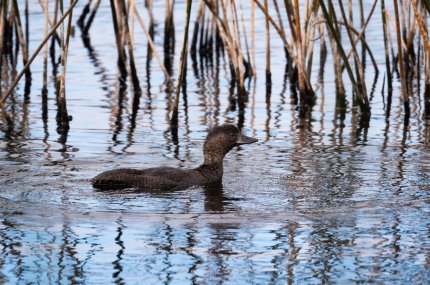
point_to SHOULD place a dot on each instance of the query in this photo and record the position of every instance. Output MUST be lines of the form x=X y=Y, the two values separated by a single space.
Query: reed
x=169 y=35
x=267 y=27
x=359 y=67
x=3 y=17
x=152 y=48
x=424 y=36
x=28 y=63
x=331 y=21
x=182 y=65
x=119 y=37
x=45 y=67
x=22 y=40
x=253 y=38
x=229 y=32
x=401 y=61
x=221 y=27
x=63 y=117
x=129 y=43
x=296 y=51
x=386 y=48
x=197 y=28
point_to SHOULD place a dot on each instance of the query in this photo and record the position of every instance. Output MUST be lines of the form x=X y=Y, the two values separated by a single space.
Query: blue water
x=317 y=200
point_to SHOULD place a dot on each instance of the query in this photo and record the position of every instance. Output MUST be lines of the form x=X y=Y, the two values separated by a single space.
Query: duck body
x=218 y=143
x=156 y=178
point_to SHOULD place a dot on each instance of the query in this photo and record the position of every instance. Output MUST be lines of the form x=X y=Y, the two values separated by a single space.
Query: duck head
x=221 y=140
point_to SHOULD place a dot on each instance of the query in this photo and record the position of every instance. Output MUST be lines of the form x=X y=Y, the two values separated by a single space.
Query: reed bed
x=226 y=28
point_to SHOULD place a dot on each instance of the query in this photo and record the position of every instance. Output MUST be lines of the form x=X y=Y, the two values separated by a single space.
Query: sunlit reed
x=220 y=26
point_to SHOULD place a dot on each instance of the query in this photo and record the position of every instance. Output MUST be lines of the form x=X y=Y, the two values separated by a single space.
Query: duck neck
x=214 y=158
x=213 y=169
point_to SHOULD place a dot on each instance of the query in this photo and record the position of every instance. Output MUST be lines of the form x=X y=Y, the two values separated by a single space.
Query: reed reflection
x=55 y=247
x=117 y=112
x=117 y=263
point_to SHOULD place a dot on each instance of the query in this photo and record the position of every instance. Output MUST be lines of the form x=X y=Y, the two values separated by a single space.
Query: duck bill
x=245 y=140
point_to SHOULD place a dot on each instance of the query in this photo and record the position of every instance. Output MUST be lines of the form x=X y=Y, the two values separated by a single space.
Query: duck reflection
x=215 y=201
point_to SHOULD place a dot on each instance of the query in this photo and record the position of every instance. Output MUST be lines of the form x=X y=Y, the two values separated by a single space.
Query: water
x=315 y=201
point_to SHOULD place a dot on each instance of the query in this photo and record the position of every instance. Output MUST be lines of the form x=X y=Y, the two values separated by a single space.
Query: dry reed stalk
x=423 y=32
x=196 y=30
x=212 y=28
x=267 y=28
x=287 y=45
x=421 y=26
x=363 y=24
x=386 y=49
x=242 y=66
x=290 y=12
x=359 y=67
x=293 y=56
x=45 y=49
x=401 y=62
x=3 y=12
x=22 y=72
x=337 y=62
x=309 y=44
x=117 y=25
x=22 y=40
x=213 y=34
x=27 y=24
x=50 y=22
x=129 y=44
x=169 y=28
x=361 y=37
x=413 y=29
x=351 y=14
x=182 y=65
x=330 y=22
x=131 y=12
x=149 y=5
x=45 y=68
x=408 y=34
x=323 y=45
x=202 y=32
x=390 y=40
x=3 y=19
x=11 y=31
x=249 y=68
x=55 y=22
x=234 y=53
x=228 y=40
x=207 y=36
x=253 y=38
x=62 y=114
x=307 y=96
x=278 y=13
x=237 y=44
x=152 y=45
x=222 y=31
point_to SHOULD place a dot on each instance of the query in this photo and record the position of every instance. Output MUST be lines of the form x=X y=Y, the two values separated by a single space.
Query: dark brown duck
x=218 y=143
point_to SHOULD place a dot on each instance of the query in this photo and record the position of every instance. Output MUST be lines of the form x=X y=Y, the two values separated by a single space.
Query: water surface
x=317 y=200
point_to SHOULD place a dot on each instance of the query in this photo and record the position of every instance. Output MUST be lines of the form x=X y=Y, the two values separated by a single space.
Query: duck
x=219 y=141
